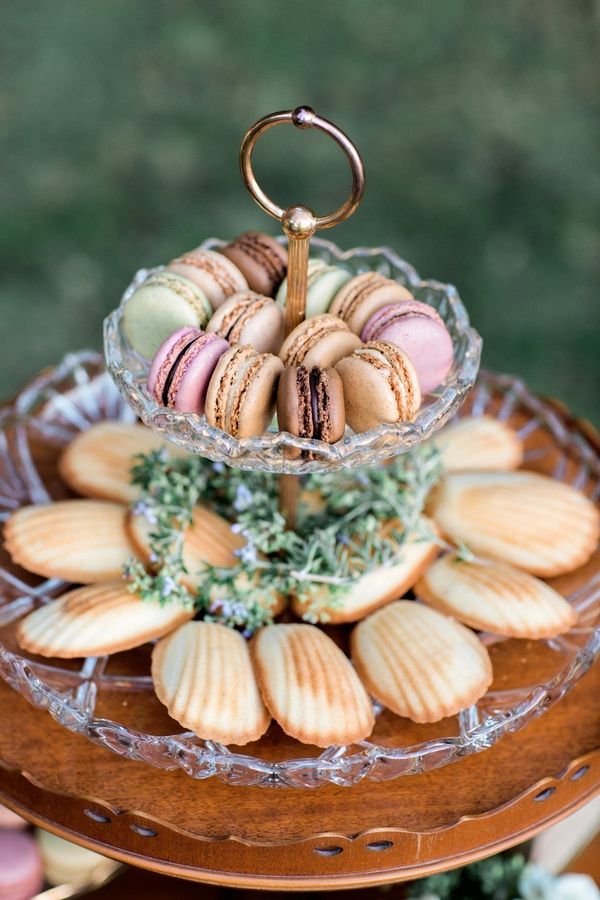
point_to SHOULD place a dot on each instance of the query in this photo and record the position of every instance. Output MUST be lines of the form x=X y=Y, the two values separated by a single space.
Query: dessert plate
x=111 y=701
x=268 y=452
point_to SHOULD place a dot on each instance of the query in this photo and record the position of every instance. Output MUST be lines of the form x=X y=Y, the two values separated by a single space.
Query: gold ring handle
x=303 y=117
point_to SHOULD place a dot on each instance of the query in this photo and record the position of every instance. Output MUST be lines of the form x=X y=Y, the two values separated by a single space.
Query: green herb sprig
x=343 y=531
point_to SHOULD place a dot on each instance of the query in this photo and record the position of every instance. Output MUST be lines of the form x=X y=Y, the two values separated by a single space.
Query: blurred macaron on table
x=385 y=352
x=33 y=862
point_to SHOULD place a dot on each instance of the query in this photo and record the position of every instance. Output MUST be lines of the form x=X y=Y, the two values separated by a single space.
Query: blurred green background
x=120 y=125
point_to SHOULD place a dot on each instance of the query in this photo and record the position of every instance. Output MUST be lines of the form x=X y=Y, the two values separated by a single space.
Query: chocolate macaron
x=380 y=385
x=214 y=274
x=319 y=341
x=242 y=391
x=250 y=318
x=310 y=403
x=363 y=295
x=261 y=260
x=182 y=367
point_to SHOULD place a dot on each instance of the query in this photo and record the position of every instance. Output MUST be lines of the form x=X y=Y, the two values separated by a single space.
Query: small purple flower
x=247 y=633
x=362 y=478
x=168 y=586
x=239 y=611
x=248 y=553
x=218 y=467
x=142 y=509
x=243 y=498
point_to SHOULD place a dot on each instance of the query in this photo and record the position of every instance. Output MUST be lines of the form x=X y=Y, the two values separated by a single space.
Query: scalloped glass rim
x=62 y=401
x=268 y=451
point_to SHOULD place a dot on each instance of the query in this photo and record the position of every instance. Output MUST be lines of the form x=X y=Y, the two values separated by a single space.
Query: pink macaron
x=182 y=368
x=419 y=331
x=21 y=867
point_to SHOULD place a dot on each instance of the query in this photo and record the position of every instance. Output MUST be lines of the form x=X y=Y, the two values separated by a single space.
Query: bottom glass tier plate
x=110 y=700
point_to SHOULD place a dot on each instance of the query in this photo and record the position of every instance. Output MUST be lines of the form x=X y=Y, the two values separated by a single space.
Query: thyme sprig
x=349 y=523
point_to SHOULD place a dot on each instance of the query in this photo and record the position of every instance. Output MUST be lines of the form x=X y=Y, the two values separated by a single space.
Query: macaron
x=363 y=295
x=380 y=385
x=260 y=258
x=182 y=367
x=163 y=303
x=242 y=391
x=419 y=330
x=250 y=318
x=212 y=272
x=324 y=281
x=68 y=863
x=318 y=341
x=21 y=868
x=9 y=819
x=310 y=403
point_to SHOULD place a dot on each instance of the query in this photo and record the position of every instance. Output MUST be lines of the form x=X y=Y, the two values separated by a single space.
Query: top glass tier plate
x=270 y=451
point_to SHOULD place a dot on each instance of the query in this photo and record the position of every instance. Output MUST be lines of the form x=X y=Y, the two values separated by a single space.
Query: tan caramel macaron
x=242 y=392
x=380 y=386
x=320 y=341
x=363 y=295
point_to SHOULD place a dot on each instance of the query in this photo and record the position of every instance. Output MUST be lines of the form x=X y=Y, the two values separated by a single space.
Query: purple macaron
x=420 y=332
x=182 y=368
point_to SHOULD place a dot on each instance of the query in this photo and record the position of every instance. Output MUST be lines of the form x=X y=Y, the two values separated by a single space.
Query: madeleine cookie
x=309 y=686
x=479 y=442
x=82 y=541
x=203 y=675
x=492 y=596
x=419 y=663
x=533 y=522
x=378 y=587
x=96 y=620
x=97 y=463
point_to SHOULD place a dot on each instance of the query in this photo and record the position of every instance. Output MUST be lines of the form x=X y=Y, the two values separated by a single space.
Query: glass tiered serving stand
x=111 y=700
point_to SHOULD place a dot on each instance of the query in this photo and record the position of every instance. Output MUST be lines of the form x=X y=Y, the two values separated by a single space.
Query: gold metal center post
x=299 y=224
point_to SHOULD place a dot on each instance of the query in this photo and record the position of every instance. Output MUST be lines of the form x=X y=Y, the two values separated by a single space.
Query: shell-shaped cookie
x=530 y=521
x=493 y=596
x=419 y=663
x=96 y=620
x=97 y=463
x=378 y=587
x=479 y=443
x=309 y=686
x=82 y=541
x=203 y=675
x=208 y=540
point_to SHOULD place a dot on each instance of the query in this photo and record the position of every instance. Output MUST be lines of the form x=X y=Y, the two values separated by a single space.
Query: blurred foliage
x=120 y=125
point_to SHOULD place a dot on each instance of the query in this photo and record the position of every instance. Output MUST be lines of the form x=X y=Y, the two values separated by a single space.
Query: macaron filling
x=171 y=373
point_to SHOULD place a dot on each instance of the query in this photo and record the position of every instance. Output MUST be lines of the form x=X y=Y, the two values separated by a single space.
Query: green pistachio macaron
x=161 y=305
x=324 y=281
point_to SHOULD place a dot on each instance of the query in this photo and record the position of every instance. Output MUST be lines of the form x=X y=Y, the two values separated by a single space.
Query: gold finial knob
x=299 y=222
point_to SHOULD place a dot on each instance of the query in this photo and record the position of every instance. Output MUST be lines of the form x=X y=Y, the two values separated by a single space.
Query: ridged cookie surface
x=419 y=663
x=83 y=541
x=530 y=521
x=492 y=596
x=96 y=620
x=378 y=587
x=309 y=686
x=97 y=463
x=479 y=442
x=203 y=675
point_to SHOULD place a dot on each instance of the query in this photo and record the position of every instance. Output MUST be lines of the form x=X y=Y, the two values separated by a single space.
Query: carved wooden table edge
x=328 y=860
